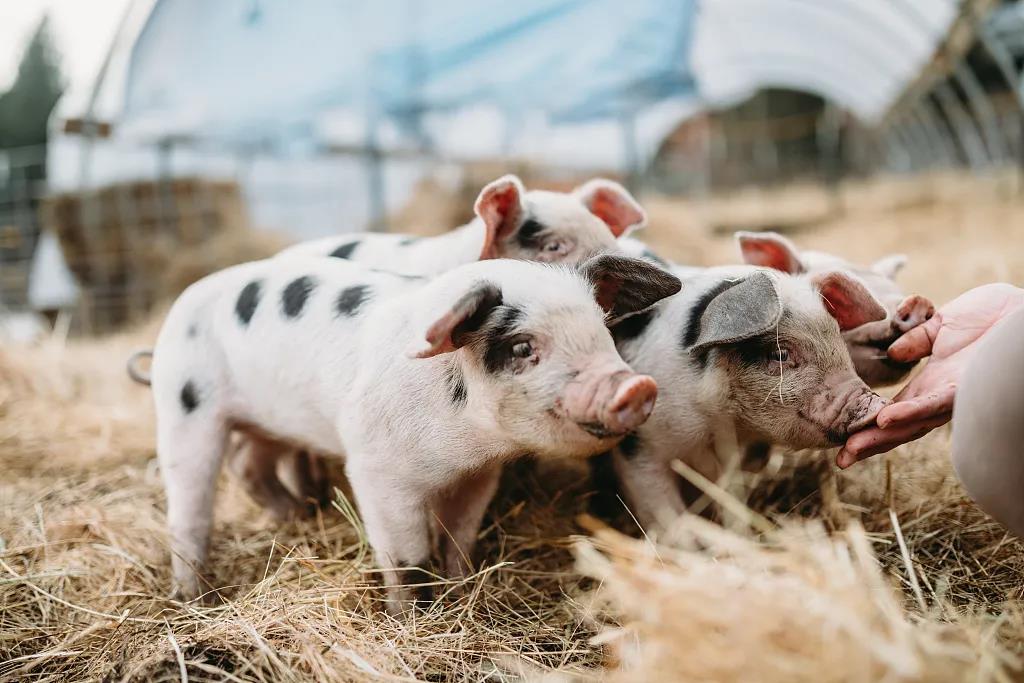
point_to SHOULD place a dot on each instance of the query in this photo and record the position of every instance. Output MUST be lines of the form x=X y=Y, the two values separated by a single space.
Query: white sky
x=82 y=31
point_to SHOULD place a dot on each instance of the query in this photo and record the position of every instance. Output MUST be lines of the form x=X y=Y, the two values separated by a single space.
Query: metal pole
x=904 y=139
x=984 y=112
x=938 y=132
x=1007 y=67
x=965 y=129
x=933 y=146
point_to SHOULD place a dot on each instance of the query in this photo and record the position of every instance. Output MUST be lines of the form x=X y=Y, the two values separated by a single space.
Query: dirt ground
x=883 y=572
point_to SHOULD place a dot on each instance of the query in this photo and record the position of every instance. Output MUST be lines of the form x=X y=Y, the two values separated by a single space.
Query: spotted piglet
x=424 y=387
x=511 y=222
x=867 y=343
x=742 y=355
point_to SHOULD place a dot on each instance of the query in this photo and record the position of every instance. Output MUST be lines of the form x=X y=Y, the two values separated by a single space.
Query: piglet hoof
x=193 y=593
x=632 y=404
x=305 y=486
x=415 y=589
x=457 y=569
x=314 y=484
x=911 y=312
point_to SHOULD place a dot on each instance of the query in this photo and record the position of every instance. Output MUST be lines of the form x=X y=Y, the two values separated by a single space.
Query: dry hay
x=797 y=595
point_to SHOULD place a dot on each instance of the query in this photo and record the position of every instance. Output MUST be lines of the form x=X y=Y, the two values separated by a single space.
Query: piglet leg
x=254 y=462
x=459 y=515
x=651 y=489
x=289 y=483
x=395 y=513
x=305 y=475
x=189 y=450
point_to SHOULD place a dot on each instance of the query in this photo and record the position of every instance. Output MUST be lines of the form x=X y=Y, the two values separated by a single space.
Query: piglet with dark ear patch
x=425 y=388
x=867 y=343
x=511 y=222
x=743 y=355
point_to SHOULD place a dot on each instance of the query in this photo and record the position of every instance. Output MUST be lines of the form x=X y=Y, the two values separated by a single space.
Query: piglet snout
x=870 y=404
x=632 y=403
x=846 y=405
x=608 y=399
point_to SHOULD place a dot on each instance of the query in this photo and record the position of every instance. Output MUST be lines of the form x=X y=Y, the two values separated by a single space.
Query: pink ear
x=613 y=204
x=847 y=300
x=450 y=331
x=770 y=250
x=499 y=206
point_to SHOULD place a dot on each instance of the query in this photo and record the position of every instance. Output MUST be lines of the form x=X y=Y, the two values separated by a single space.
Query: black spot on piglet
x=530 y=234
x=351 y=298
x=456 y=385
x=345 y=250
x=294 y=297
x=189 y=397
x=247 y=301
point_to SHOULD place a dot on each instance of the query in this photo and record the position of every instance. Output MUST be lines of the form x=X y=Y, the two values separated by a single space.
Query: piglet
x=867 y=343
x=424 y=387
x=510 y=222
x=742 y=355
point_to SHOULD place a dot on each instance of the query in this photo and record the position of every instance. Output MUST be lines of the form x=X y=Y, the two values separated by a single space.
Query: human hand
x=927 y=401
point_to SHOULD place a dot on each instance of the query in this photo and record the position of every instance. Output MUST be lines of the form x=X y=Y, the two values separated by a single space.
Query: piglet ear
x=890 y=266
x=624 y=285
x=770 y=250
x=452 y=329
x=741 y=310
x=500 y=207
x=613 y=204
x=848 y=300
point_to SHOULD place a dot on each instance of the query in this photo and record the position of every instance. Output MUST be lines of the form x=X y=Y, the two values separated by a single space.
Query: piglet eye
x=523 y=349
x=778 y=355
x=553 y=246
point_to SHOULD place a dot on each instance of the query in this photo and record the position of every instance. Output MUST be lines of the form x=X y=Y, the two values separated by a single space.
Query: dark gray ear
x=624 y=285
x=744 y=310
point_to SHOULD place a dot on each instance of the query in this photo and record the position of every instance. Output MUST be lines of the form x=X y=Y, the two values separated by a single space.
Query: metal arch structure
x=875 y=50
x=974 y=127
x=1002 y=47
x=882 y=60
x=787 y=69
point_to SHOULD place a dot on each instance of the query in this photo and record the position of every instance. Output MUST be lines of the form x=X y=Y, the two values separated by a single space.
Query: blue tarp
x=241 y=68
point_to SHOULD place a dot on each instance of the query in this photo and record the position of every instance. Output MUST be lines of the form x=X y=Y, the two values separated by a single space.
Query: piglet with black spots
x=867 y=343
x=511 y=222
x=424 y=387
x=742 y=355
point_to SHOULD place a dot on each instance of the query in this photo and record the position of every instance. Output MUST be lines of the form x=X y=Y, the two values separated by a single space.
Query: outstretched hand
x=927 y=401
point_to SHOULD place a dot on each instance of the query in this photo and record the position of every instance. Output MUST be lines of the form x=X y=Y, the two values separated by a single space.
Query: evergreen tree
x=25 y=108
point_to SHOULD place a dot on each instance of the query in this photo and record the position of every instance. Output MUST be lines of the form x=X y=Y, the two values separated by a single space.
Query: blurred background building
x=202 y=120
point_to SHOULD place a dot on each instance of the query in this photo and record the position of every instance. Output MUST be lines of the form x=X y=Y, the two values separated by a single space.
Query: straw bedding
x=885 y=572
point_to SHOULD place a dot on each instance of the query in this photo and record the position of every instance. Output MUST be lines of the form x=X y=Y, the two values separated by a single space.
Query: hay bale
x=118 y=239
